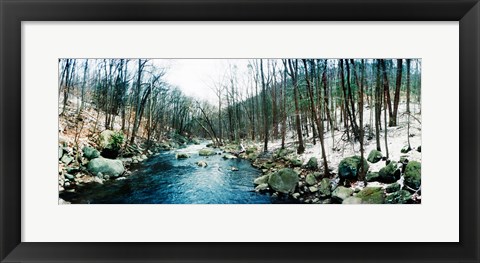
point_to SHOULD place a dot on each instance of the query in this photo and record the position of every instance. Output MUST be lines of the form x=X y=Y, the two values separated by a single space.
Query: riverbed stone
x=374 y=156
x=105 y=166
x=229 y=156
x=413 y=175
x=206 y=152
x=310 y=180
x=90 y=152
x=202 y=163
x=341 y=193
x=349 y=167
x=371 y=195
x=182 y=156
x=312 y=163
x=284 y=180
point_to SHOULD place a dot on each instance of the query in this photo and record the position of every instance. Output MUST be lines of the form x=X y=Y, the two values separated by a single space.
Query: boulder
x=261 y=179
x=371 y=195
x=341 y=193
x=349 y=167
x=229 y=156
x=283 y=181
x=374 y=156
x=312 y=164
x=90 y=152
x=105 y=166
x=105 y=138
x=389 y=174
x=206 y=152
x=392 y=188
x=182 y=156
x=352 y=200
x=372 y=177
x=313 y=189
x=400 y=197
x=325 y=188
x=310 y=180
x=296 y=162
x=413 y=175
x=202 y=163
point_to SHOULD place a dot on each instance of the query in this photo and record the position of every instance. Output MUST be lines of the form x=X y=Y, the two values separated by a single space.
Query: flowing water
x=163 y=179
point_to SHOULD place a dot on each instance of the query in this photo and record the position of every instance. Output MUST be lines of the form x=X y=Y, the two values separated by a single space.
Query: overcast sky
x=196 y=77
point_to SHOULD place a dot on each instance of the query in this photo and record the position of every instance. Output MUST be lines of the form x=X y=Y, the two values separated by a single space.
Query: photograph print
x=239 y=131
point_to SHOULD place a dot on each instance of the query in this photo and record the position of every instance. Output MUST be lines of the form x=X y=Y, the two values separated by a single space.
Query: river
x=163 y=179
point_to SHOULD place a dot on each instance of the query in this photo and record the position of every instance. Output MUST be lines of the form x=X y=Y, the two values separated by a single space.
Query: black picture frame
x=13 y=12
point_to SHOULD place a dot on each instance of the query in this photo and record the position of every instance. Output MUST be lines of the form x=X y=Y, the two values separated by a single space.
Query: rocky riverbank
x=101 y=160
x=386 y=181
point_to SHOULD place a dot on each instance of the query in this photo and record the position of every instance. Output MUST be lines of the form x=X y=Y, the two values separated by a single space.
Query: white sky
x=196 y=77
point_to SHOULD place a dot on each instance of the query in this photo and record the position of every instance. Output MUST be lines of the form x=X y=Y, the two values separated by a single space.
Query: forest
x=319 y=131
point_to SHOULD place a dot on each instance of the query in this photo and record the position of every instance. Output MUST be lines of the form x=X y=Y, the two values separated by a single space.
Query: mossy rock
x=371 y=195
x=283 y=181
x=310 y=180
x=392 y=188
x=374 y=156
x=325 y=189
x=372 y=177
x=90 y=152
x=312 y=164
x=252 y=157
x=400 y=197
x=206 y=152
x=413 y=175
x=283 y=152
x=349 y=167
x=296 y=162
x=389 y=174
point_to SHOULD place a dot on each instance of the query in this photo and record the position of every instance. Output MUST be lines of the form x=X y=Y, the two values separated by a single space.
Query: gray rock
x=313 y=189
x=206 y=152
x=261 y=180
x=341 y=193
x=296 y=195
x=202 y=163
x=105 y=166
x=352 y=200
x=325 y=188
x=69 y=176
x=66 y=159
x=229 y=157
x=261 y=187
x=90 y=152
x=60 y=152
x=97 y=180
x=310 y=180
x=284 y=180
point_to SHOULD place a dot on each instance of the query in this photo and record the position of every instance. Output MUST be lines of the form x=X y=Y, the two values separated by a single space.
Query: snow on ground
x=337 y=149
